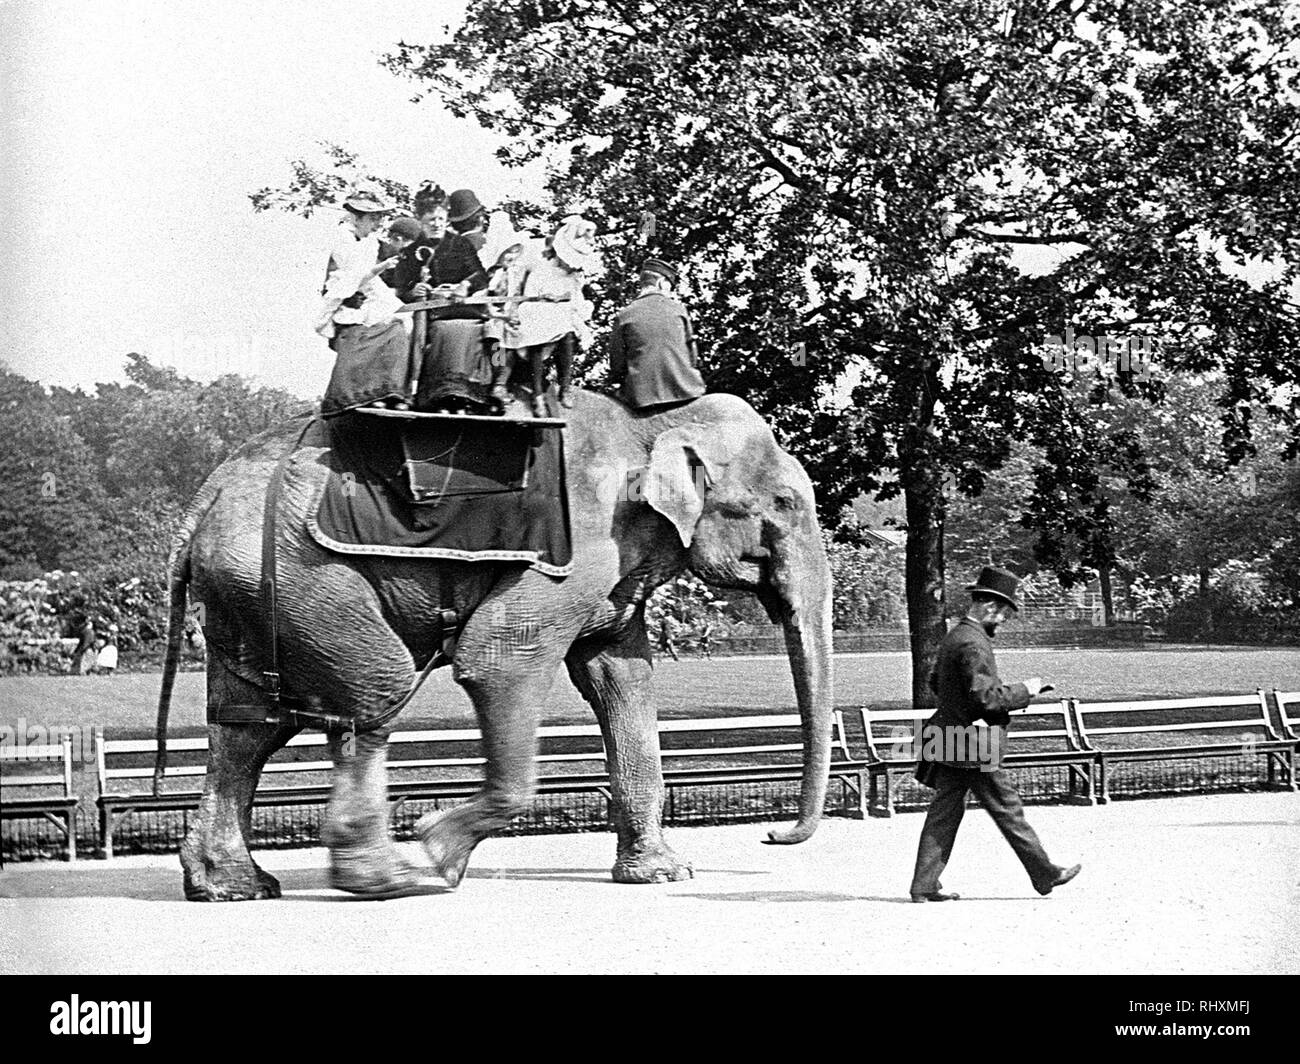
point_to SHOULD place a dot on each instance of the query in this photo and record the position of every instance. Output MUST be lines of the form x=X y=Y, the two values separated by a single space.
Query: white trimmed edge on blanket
x=443 y=553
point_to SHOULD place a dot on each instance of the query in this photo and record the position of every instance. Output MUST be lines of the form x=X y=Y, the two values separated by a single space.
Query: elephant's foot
x=657 y=864
x=232 y=877
x=448 y=849
x=377 y=871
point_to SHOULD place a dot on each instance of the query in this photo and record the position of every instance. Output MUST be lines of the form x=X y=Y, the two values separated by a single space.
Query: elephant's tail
x=178 y=579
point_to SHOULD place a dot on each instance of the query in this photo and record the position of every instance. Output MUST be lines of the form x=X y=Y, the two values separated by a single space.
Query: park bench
x=58 y=803
x=1153 y=730
x=124 y=767
x=125 y=771
x=1288 y=710
x=1041 y=736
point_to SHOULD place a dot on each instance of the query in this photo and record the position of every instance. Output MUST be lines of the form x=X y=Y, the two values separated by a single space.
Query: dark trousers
x=993 y=790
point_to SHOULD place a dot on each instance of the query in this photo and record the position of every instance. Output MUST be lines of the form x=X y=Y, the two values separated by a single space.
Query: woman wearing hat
x=554 y=328
x=415 y=270
x=357 y=314
x=455 y=257
x=455 y=372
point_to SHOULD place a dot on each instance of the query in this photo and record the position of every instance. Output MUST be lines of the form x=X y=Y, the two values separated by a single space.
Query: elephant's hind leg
x=615 y=680
x=363 y=858
x=214 y=855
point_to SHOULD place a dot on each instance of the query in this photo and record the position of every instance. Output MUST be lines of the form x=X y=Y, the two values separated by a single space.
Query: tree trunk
x=925 y=601
x=1203 y=593
x=1107 y=597
x=924 y=574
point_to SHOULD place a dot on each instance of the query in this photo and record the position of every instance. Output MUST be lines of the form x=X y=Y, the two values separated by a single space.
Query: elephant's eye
x=733 y=507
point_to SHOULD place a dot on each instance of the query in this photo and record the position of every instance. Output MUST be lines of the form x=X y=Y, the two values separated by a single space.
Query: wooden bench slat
x=31 y=753
x=15 y=782
x=1156 y=729
x=787 y=720
x=150 y=746
x=1157 y=704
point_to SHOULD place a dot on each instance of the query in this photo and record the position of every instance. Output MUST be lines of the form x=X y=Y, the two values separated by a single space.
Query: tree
x=52 y=498
x=853 y=177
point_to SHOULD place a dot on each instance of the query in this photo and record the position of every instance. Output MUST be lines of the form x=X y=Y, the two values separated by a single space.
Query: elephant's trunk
x=807 y=622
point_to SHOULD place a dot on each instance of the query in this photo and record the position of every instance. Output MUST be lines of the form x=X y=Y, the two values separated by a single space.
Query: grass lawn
x=125 y=704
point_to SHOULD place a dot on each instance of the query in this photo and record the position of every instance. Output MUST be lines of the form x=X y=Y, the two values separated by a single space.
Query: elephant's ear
x=682 y=466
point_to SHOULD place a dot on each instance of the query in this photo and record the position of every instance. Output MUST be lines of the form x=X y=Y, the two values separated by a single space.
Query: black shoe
x=935 y=895
x=1063 y=876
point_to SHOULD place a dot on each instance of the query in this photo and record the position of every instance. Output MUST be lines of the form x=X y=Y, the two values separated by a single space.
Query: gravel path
x=1203 y=884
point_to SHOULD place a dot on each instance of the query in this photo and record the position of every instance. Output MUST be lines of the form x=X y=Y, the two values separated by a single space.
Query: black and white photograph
x=618 y=487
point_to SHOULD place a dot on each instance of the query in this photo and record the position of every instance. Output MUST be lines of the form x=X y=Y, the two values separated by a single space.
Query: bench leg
x=106 y=833
x=72 y=835
x=885 y=806
x=1104 y=797
x=1284 y=760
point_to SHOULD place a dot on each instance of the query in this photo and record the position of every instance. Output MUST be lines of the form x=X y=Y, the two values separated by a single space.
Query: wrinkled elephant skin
x=703 y=487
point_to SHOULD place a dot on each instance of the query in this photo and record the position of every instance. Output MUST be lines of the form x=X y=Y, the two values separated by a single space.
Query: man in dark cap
x=652 y=352
x=957 y=758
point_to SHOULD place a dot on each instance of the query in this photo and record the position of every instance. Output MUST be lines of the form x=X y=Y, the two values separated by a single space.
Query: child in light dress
x=556 y=319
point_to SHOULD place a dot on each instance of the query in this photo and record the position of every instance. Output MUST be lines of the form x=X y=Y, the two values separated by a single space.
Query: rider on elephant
x=456 y=372
x=652 y=350
x=430 y=209
x=357 y=313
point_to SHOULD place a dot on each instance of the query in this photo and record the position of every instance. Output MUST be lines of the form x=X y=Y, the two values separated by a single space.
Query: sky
x=131 y=135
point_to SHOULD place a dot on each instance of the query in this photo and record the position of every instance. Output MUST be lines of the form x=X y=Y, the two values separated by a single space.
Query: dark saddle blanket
x=445 y=488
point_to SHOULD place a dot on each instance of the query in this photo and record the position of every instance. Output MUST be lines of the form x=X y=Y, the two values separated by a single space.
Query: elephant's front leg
x=363 y=859
x=615 y=679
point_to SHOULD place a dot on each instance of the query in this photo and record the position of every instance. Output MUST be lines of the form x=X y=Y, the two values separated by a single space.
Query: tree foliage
x=854 y=177
x=98 y=479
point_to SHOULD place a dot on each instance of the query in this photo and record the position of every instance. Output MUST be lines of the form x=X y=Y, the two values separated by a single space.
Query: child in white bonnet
x=555 y=272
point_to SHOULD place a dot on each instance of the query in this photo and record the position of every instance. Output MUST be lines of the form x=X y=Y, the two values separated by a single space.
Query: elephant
x=717 y=496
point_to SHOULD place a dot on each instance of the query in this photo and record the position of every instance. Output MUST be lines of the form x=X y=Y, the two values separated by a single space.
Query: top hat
x=1000 y=583
x=574 y=243
x=462 y=204
x=368 y=201
x=660 y=267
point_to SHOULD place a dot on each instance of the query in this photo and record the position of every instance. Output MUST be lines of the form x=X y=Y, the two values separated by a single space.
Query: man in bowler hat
x=652 y=352
x=966 y=684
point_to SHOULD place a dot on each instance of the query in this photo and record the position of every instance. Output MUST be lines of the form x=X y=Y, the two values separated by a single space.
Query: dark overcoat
x=652 y=352
x=966 y=685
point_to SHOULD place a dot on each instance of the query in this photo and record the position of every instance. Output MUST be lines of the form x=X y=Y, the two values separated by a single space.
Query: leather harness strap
x=287 y=708
x=271 y=675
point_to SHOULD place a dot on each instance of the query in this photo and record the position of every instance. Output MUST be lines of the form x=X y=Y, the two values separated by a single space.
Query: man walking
x=966 y=684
